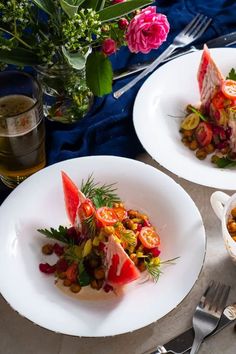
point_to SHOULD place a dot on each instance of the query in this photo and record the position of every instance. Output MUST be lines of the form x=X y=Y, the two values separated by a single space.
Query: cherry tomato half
x=219 y=100
x=86 y=209
x=120 y=212
x=148 y=237
x=106 y=216
x=203 y=133
x=229 y=89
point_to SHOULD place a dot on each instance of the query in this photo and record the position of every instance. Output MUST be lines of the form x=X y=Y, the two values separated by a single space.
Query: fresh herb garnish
x=155 y=269
x=223 y=162
x=60 y=235
x=231 y=75
x=90 y=226
x=196 y=111
x=100 y=195
x=83 y=276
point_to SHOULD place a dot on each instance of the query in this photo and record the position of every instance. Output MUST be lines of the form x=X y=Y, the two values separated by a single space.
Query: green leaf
x=76 y=60
x=231 y=75
x=99 y=74
x=83 y=277
x=121 y=9
x=19 y=56
x=91 y=4
x=46 y=5
x=70 y=6
x=224 y=162
x=61 y=234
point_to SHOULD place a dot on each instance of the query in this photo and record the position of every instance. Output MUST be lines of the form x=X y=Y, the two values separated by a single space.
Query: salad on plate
x=209 y=128
x=105 y=245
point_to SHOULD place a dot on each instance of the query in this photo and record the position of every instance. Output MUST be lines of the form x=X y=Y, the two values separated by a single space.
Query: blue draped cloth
x=108 y=128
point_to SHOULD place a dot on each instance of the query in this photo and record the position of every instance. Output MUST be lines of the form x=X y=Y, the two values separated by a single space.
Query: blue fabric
x=108 y=128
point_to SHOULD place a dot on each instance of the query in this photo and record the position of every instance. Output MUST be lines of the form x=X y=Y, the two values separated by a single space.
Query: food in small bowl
x=105 y=245
x=209 y=128
x=224 y=207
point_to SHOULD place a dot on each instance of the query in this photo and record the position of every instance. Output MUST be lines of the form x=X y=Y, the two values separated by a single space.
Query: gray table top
x=19 y=336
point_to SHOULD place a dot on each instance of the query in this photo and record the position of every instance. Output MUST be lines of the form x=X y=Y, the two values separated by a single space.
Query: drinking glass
x=22 y=129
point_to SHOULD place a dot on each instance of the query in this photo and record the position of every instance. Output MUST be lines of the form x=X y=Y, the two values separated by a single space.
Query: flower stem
x=16 y=37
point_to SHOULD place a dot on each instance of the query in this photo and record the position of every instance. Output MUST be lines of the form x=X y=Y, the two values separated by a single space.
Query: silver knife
x=222 y=41
x=183 y=343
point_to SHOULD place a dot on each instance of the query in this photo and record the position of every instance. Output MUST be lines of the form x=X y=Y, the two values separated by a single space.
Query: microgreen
x=60 y=235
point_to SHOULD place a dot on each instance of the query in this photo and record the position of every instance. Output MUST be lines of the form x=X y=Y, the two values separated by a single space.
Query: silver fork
x=189 y=34
x=208 y=312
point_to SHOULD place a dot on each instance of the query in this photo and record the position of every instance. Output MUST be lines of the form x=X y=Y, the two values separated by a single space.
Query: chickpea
x=231 y=225
x=187 y=133
x=214 y=159
x=233 y=212
x=99 y=273
x=141 y=266
x=109 y=230
x=62 y=275
x=201 y=154
x=67 y=282
x=185 y=141
x=134 y=258
x=193 y=145
x=75 y=288
x=96 y=284
x=47 y=249
x=209 y=148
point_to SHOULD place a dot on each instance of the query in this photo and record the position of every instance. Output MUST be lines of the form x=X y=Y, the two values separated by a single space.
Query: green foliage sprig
x=55 y=32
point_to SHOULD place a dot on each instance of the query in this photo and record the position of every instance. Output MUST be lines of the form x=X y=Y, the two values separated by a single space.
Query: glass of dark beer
x=22 y=130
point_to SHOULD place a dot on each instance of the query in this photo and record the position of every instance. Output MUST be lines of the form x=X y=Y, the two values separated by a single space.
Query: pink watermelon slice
x=71 y=197
x=121 y=269
x=209 y=77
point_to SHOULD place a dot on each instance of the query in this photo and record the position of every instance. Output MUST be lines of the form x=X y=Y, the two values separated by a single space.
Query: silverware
x=183 y=342
x=221 y=41
x=189 y=34
x=208 y=312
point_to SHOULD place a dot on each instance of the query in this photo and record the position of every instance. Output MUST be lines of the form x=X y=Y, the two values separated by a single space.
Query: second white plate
x=159 y=108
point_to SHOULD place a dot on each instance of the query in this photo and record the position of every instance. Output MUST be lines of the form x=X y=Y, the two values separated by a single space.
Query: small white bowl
x=222 y=205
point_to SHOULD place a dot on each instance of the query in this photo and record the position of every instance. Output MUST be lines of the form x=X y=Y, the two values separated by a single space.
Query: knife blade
x=183 y=342
x=221 y=41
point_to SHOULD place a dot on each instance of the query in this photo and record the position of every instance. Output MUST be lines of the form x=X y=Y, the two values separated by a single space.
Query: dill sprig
x=155 y=269
x=60 y=235
x=103 y=195
x=129 y=237
x=90 y=225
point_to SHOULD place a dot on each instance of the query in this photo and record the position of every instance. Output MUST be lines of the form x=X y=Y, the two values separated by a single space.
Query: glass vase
x=66 y=97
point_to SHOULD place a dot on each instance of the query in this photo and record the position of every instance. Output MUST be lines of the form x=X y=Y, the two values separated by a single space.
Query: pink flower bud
x=117 y=1
x=109 y=46
x=147 y=31
x=123 y=23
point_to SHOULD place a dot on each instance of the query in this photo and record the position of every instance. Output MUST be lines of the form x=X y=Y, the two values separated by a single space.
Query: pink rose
x=147 y=30
x=109 y=46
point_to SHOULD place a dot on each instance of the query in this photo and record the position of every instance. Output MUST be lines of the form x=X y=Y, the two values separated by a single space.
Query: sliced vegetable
x=190 y=122
x=121 y=213
x=229 y=89
x=148 y=237
x=203 y=134
x=71 y=272
x=106 y=216
x=71 y=196
x=121 y=269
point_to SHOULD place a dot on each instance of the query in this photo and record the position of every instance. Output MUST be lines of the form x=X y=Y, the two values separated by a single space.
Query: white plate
x=161 y=99
x=38 y=203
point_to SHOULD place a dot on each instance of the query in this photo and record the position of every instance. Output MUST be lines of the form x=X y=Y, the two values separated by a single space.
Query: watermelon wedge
x=121 y=269
x=71 y=197
x=209 y=77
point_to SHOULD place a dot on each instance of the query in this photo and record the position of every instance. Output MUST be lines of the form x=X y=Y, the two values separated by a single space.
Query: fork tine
x=223 y=298
x=200 y=30
x=191 y=23
x=198 y=21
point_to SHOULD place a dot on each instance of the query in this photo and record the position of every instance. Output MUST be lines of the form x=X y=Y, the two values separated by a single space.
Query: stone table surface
x=19 y=336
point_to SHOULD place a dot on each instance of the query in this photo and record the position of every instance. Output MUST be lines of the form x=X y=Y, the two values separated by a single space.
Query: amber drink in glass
x=22 y=130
